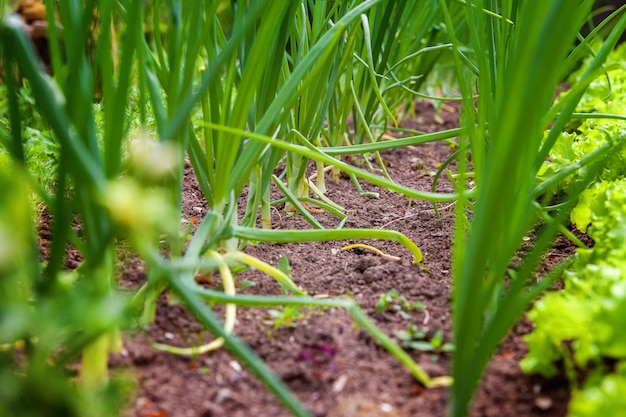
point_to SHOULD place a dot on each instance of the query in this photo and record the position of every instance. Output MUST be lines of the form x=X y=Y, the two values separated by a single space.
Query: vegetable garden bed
x=251 y=207
x=335 y=368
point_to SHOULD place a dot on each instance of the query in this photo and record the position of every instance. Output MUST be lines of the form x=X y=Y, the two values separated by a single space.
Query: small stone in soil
x=543 y=403
x=386 y=408
x=235 y=365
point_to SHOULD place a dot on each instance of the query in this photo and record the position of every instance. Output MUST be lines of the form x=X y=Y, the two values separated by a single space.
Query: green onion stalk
x=516 y=54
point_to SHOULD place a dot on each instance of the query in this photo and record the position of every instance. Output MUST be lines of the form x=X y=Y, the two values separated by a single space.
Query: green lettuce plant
x=580 y=326
x=592 y=295
x=597 y=121
x=600 y=396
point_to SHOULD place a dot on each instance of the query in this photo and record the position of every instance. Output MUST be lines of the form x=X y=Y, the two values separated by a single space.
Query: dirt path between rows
x=334 y=368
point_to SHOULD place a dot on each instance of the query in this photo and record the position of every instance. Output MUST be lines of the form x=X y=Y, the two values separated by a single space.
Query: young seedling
x=418 y=339
x=392 y=300
x=287 y=317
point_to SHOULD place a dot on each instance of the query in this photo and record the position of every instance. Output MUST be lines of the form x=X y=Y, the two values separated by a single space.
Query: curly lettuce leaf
x=600 y=397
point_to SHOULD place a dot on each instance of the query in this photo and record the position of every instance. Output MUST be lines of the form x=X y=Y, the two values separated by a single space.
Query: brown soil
x=335 y=369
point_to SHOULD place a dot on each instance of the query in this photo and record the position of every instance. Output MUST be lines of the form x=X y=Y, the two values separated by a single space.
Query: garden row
x=243 y=91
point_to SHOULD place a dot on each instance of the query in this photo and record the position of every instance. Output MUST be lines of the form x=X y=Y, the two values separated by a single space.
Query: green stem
x=242 y=351
x=319 y=155
x=357 y=314
x=297 y=236
x=275 y=273
x=94 y=362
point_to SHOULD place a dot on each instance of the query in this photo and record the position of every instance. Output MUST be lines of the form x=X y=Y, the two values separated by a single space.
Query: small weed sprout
x=289 y=316
x=417 y=339
x=393 y=301
x=286 y=317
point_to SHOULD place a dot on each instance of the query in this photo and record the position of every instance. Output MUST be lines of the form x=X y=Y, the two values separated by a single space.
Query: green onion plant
x=236 y=100
x=253 y=109
x=516 y=55
x=71 y=314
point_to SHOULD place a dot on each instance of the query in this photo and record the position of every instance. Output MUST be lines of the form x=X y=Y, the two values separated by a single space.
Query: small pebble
x=386 y=408
x=223 y=395
x=340 y=384
x=168 y=335
x=543 y=403
x=235 y=365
